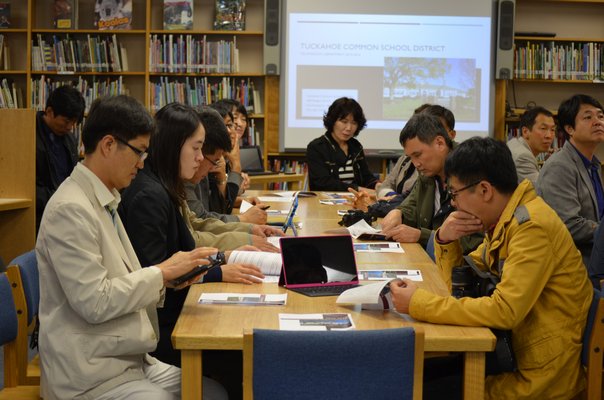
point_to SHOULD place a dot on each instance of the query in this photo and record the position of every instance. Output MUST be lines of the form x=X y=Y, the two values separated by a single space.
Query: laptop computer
x=318 y=265
x=251 y=161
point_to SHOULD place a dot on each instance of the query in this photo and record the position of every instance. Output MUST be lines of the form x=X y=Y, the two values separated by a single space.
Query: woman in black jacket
x=336 y=160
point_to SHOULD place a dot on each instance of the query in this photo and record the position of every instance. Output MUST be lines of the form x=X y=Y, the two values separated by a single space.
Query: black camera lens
x=463 y=282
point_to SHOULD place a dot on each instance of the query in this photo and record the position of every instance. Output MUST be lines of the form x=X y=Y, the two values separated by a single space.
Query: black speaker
x=272 y=34
x=505 y=39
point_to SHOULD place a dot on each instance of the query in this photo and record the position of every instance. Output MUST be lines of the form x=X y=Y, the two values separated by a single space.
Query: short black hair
x=121 y=116
x=440 y=112
x=530 y=115
x=569 y=108
x=426 y=128
x=223 y=109
x=479 y=159
x=217 y=136
x=67 y=101
x=233 y=105
x=341 y=108
x=175 y=123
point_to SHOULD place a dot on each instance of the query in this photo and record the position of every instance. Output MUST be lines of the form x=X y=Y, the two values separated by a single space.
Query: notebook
x=251 y=161
x=318 y=265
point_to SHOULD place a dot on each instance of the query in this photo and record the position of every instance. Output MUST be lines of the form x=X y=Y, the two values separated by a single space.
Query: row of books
x=201 y=91
x=4 y=54
x=10 y=95
x=89 y=54
x=288 y=166
x=91 y=89
x=190 y=54
x=252 y=136
x=551 y=60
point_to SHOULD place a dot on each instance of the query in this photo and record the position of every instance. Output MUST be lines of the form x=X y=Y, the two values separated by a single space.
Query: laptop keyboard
x=324 y=290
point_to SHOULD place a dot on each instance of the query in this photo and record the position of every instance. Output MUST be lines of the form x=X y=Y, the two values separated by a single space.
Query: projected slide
x=390 y=64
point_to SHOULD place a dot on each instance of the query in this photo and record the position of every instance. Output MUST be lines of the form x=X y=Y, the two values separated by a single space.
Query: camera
x=470 y=281
x=467 y=281
x=354 y=216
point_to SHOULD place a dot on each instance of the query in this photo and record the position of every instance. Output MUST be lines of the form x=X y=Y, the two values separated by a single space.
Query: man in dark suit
x=571 y=180
x=56 y=146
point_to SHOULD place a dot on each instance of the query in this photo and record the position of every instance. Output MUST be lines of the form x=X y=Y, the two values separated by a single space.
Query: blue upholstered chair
x=593 y=346
x=9 y=331
x=367 y=364
x=23 y=275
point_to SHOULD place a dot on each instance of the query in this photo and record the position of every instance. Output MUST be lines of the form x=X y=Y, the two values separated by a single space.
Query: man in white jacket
x=98 y=316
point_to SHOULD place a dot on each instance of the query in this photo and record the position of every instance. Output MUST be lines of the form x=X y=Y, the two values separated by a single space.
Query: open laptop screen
x=318 y=260
x=251 y=159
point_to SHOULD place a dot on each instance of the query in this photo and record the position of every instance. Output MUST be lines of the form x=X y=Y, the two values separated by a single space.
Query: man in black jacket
x=56 y=146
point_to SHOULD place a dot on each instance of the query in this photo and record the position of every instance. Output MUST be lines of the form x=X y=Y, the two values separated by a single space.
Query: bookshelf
x=13 y=76
x=17 y=182
x=32 y=25
x=576 y=24
x=227 y=82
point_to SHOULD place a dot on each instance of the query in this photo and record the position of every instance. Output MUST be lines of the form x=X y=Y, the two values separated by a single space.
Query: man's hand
x=245 y=183
x=361 y=200
x=392 y=219
x=403 y=234
x=241 y=273
x=402 y=291
x=266 y=230
x=254 y=215
x=261 y=243
x=458 y=224
x=184 y=261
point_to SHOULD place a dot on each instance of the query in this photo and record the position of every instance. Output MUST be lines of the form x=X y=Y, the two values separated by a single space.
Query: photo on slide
x=451 y=82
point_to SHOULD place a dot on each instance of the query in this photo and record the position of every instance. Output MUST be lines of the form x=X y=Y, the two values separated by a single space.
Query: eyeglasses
x=142 y=154
x=453 y=193
x=214 y=162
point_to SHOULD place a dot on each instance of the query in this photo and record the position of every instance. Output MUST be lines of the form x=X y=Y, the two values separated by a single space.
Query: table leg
x=473 y=375
x=191 y=374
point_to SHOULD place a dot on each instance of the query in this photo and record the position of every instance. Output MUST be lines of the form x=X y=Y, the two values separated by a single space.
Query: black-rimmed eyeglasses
x=453 y=193
x=213 y=162
x=142 y=154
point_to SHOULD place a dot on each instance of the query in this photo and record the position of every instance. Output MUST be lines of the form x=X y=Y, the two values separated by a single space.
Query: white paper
x=269 y=263
x=274 y=240
x=385 y=274
x=289 y=194
x=339 y=195
x=361 y=227
x=364 y=294
x=316 y=322
x=243 y=298
x=245 y=205
x=277 y=212
x=378 y=247
x=275 y=199
x=333 y=202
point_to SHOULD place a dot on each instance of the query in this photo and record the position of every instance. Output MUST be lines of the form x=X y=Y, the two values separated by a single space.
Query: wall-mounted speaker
x=272 y=37
x=504 y=61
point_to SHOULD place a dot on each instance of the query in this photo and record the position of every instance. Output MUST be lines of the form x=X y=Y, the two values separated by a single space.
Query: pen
x=265 y=207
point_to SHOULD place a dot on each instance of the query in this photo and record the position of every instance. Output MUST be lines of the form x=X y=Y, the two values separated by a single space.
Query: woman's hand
x=241 y=273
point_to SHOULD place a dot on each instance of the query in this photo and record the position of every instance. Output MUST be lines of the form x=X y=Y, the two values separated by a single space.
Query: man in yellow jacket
x=544 y=293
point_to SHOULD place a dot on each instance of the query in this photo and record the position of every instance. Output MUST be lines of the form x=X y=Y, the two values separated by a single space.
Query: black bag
x=380 y=208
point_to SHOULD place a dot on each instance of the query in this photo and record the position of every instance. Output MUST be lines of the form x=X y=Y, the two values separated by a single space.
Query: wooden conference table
x=220 y=327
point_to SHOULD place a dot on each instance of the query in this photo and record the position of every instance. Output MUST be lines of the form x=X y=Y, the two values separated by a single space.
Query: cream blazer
x=97 y=307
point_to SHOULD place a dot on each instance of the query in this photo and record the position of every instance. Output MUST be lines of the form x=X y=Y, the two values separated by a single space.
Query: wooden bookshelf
x=17 y=182
x=573 y=21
